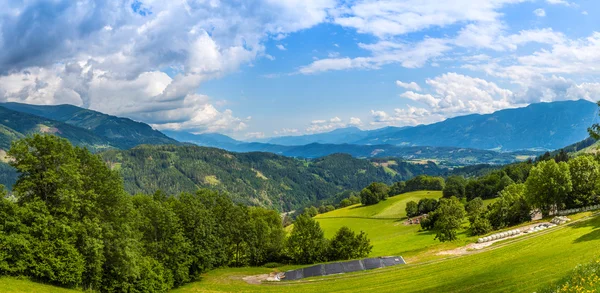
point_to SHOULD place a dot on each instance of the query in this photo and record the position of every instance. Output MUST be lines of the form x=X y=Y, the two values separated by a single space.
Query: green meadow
x=522 y=264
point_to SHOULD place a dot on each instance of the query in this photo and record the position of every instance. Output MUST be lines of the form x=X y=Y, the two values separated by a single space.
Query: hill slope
x=14 y=125
x=547 y=126
x=254 y=178
x=120 y=132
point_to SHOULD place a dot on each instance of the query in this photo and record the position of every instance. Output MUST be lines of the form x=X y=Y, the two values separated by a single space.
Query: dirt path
x=473 y=247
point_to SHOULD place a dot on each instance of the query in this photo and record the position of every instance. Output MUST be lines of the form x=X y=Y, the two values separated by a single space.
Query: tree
x=374 y=193
x=562 y=156
x=450 y=215
x=412 y=209
x=266 y=237
x=354 y=199
x=548 y=186
x=511 y=208
x=397 y=188
x=347 y=245
x=475 y=207
x=427 y=205
x=480 y=225
x=311 y=211
x=455 y=186
x=345 y=203
x=585 y=176
x=307 y=243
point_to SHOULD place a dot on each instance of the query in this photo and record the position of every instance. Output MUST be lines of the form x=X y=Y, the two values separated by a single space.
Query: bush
x=347 y=245
x=427 y=205
x=307 y=243
x=374 y=193
x=412 y=209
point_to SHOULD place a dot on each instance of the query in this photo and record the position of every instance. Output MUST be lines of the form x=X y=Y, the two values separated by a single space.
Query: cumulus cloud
x=560 y=2
x=409 y=86
x=408 y=116
x=324 y=125
x=110 y=56
x=281 y=47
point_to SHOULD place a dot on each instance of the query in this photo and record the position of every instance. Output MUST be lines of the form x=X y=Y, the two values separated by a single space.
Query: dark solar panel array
x=343 y=267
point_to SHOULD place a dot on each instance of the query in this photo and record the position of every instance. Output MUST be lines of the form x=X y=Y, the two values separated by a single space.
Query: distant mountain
x=338 y=136
x=119 y=132
x=545 y=126
x=341 y=135
x=15 y=125
x=444 y=155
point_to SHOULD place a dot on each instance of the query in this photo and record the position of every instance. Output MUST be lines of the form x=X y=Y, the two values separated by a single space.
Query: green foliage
x=257 y=179
x=511 y=208
x=427 y=205
x=480 y=225
x=585 y=176
x=324 y=209
x=412 y=209
x=424 y=182
x=476 y=212
x=548 y=186
x=345 y=203
x=348 y=245
x=73 y=225
x=306 y=244
x=397 y=188
x=455 y=186
x=374 y=193
x=450 y=215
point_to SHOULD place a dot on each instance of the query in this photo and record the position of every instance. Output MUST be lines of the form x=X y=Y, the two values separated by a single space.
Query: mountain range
x=496 y=138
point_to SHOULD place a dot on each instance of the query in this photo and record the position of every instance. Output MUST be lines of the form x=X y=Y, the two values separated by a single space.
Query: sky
x=261 y=68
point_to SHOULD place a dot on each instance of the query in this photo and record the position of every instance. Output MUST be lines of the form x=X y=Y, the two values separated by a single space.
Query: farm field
x=523 y=265
x=384 y=225
x=518 y=265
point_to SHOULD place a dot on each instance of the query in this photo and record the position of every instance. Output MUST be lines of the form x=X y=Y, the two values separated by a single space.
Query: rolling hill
x=15 y=125
x=254 y=178
x=120 y=132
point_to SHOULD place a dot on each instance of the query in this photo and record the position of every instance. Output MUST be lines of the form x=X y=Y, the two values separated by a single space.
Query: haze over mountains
x=543 y=126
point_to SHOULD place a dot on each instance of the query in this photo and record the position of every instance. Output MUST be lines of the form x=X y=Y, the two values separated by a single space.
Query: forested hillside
x=120 y=132
x=15 y=125
x=255 y=178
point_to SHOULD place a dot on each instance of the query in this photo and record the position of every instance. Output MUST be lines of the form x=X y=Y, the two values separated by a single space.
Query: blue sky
x=260 y=68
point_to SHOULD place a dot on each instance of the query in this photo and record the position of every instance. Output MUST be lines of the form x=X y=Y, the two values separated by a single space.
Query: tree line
x=69 y=222
x=548 y=185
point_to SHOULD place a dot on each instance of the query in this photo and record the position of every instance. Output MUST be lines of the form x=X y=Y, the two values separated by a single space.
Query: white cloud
x=408 y=116
x=286 y=131
x=355 y=121
x=539 y=12
x=409 y=86
x=107 y=57
x=455 y=94
x=255 y=135
x=391 y=18
x=383 y=53
x=322 y=125
x=560 y=2
x=281 y=47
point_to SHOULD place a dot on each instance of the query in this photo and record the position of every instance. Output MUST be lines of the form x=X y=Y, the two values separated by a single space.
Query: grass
x=9 y=285
x=384 y=225
x=521 y=265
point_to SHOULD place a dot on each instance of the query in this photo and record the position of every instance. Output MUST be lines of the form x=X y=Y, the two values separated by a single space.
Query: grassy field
x=522 y=265
x=517 y=265
x=10 y=285
x=384 y=225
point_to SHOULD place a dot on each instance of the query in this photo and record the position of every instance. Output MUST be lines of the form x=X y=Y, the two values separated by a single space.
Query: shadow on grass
x=594 y=235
